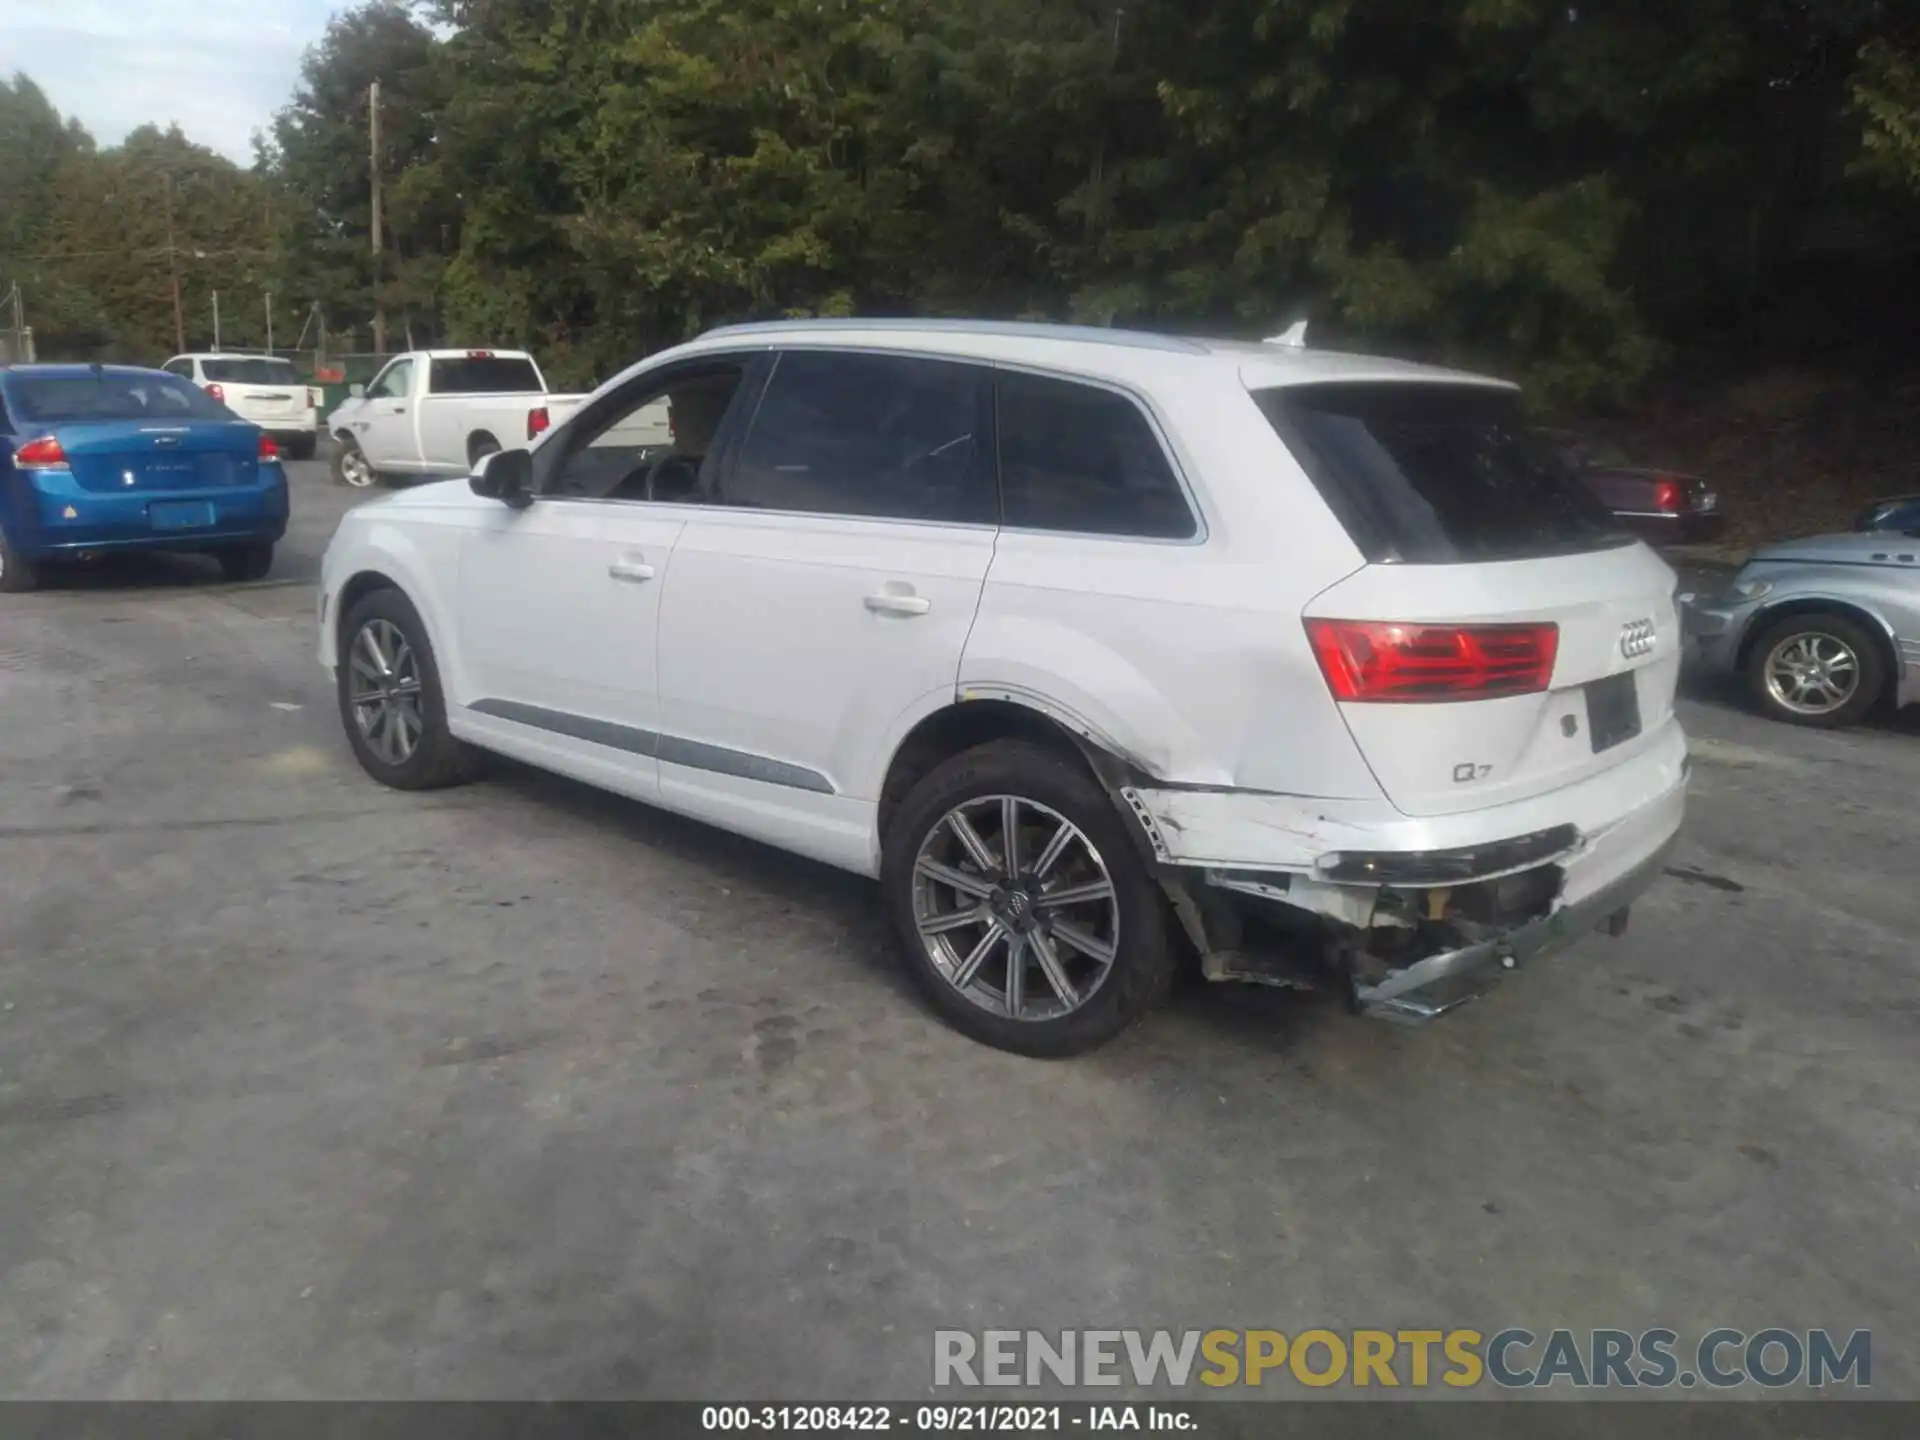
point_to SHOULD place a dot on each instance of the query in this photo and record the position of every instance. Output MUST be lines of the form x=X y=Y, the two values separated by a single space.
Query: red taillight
x=42 y=454
x=314 y=398
x=538 y=421
x=217 y=392
x=1382 y=661
x=269 y=448
x=1666 y=495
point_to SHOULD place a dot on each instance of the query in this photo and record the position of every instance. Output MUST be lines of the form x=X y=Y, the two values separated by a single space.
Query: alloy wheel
x=1812 y=673
x=383 y=691
x=1015 y=907
x=355 y=470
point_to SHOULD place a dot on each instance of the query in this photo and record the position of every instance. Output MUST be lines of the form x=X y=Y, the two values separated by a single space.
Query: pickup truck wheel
x=1021 y=905
x=301 y=447
x=1816 y=669
x=391 y=703
x=480 y=446
x=350 y=466
x=17 y=575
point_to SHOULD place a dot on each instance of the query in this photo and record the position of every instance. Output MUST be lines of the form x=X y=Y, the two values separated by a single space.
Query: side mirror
x=506 y=476
x=357 y=392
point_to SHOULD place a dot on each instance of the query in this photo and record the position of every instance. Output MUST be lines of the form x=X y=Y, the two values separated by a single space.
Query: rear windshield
x=1433 y=474
x=250 y=371
x=485 y=375
x=147 y=395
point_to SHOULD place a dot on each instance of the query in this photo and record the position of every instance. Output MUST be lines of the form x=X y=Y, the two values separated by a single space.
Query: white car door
x=818 y=607
x=384 y=425
x=559 y=602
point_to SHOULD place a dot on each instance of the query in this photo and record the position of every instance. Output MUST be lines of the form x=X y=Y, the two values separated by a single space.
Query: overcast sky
x=217 y=68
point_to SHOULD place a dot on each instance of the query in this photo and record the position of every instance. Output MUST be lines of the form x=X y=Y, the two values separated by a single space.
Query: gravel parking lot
x=312 y=1089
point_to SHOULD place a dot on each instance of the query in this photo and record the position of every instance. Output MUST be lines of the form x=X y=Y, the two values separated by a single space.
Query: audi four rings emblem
x=1637 y=637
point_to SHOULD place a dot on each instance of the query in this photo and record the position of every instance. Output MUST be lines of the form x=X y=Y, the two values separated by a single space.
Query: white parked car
x=1089 y=646
x=436 y=412
x=263 y=389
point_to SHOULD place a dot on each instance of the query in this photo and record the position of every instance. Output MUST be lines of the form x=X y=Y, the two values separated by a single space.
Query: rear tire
x=302 y=447
x=246 y=562
x=17 y=574
x=350 y=467
x=1796 y=667
x=1088 y=968
x=400 y=739
x=480 y=446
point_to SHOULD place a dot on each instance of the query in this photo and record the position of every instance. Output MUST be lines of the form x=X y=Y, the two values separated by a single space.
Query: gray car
x=1821 y=629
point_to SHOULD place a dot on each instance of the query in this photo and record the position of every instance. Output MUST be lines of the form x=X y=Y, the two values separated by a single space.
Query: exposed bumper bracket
x=1431 y=987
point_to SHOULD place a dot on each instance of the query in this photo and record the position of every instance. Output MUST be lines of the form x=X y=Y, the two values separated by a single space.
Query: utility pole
x=173 y=269
x=269 y=322
x=373 y=132
x=216 y=319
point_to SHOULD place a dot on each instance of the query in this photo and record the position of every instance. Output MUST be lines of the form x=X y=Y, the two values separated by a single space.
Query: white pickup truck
x=435 y=412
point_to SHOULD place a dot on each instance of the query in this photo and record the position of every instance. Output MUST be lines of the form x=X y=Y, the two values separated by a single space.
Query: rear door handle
x=888 y=602
x=635 y=570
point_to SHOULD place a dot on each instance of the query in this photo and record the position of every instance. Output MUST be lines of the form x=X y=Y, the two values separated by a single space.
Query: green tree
x=319 y=163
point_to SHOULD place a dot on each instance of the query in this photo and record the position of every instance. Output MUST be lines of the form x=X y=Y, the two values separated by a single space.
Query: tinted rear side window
x=485 y=375
x=145 y=395
x=1436 y=474
x=249 y=371
x=1079 y=458
x=876 y=435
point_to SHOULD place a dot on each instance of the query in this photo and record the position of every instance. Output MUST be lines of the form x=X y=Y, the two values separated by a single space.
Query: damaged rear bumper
x=1435 y=985
x=1410 y=916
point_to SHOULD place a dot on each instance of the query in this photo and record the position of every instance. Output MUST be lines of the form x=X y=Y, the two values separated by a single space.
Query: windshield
x=250 y=371
x=107 y=395
x=1434 y=474
x=486 y=375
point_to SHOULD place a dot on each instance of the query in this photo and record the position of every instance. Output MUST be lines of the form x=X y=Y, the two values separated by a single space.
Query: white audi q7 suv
x=1094 y=648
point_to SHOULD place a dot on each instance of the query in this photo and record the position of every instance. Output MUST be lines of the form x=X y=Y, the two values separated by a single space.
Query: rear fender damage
x=1450 y=921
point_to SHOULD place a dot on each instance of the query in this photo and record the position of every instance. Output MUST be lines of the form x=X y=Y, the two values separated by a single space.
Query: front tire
x=1048 y=947
x=350 y=467
x=391 y=703
x=17 y=574
x=246 y=562
x=1816 y=669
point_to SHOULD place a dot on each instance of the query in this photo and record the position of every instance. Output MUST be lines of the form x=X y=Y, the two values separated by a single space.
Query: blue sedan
x=96 y=459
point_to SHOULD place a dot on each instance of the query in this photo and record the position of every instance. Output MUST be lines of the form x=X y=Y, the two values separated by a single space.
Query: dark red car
x=1662 y=507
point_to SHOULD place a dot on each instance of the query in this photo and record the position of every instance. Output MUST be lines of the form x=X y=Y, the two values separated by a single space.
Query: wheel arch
x=475 y=439
x=360 y=585
x=1767 y=618
x=964 y=724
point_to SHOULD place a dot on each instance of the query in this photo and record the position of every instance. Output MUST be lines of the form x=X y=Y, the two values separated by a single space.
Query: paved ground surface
x=311 y=1089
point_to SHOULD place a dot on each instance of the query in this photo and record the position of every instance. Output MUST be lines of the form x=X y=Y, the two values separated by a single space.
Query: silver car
x=1821 y=629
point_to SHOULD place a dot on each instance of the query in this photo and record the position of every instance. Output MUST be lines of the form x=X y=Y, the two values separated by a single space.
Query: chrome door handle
x=886 y=602
x=630 y=570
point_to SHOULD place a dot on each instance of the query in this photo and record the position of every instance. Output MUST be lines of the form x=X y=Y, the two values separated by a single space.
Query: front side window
x=1075 y=457
x=109 y=395
x=883 y=436
x=393 y=383
x=654 y=443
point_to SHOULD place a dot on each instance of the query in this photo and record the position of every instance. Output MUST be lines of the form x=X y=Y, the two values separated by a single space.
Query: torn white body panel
x=1639 y=802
